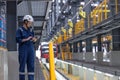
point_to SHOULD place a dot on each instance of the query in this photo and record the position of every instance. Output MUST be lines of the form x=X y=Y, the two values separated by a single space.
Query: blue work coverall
x=26 y=53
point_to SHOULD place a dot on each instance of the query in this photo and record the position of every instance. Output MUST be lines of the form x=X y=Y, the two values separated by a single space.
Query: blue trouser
x=26 y=56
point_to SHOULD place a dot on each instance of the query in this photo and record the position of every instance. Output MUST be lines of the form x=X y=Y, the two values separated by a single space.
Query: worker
x=25 y=38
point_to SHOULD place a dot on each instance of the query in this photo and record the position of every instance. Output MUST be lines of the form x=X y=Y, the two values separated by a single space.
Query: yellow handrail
x=97 y=13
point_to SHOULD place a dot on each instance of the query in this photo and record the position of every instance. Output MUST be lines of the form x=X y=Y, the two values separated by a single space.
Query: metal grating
x=36 y=8
x=39 y=8
x=38 y=23
x=22 y=9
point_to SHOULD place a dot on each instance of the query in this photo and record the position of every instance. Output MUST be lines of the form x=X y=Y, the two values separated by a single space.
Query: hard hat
x=80 y=8
x=69 y=20
x=28 y=18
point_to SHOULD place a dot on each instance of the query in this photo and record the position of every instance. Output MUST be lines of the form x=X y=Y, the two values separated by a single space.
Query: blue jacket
x=22 y=33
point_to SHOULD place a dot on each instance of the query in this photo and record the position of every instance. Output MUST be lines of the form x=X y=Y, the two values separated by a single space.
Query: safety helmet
x=69 y=20
x=28 y=18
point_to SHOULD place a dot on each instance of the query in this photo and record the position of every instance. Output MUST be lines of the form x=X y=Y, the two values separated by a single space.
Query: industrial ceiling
x=39 y=9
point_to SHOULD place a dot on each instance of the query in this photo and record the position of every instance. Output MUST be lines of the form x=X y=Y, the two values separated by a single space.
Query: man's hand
x=27 y=39
x=34 y=39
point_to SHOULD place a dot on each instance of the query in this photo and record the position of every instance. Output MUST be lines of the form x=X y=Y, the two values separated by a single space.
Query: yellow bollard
x=51 y=62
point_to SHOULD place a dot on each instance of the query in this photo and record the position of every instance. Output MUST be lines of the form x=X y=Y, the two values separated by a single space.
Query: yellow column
x=51 y=64
x=63 y=56
x=105 y=9
x=101 y=16
x=116 y=6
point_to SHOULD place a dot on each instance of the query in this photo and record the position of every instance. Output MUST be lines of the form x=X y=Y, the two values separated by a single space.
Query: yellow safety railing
x=100 y=13
x=71 y=25
x=66 y=54
x=63 y=50
x=106 y=38
x=51 y=64
x=65 y=36
x=70 y=32
x=59 y=39
x=69 y=54
x=79 y=26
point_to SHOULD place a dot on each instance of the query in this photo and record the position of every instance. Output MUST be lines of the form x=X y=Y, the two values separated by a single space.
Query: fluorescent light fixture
x=63 y=1
x=70 y=7
x=59 y=1
x=82 y=3
x=53 y=0
x=50 y=10
x=119 y=78
x=59 y=11
x=94 y=4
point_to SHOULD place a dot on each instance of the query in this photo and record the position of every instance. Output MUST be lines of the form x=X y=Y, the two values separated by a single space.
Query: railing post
x=51 y=62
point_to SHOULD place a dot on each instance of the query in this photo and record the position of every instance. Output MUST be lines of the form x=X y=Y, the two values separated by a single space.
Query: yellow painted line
x=45 y=73
x=70 y=76
x=2 y=48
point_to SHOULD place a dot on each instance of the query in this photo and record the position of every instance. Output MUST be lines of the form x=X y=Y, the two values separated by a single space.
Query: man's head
x=28 y=20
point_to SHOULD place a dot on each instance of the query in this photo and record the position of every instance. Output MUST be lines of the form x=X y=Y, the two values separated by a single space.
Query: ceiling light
x=63 y=1
x=82 y=3
x=53 y=0
x=50 y=10
x=59 y=11
x=59 y=1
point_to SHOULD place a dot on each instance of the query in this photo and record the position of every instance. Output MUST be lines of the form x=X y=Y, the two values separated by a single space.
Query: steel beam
x=19 y=1
x=38 y=28
x=39 y=34
x=89 y=45
x=36 y=18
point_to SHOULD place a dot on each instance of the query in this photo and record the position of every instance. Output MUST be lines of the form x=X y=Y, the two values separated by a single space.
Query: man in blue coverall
x=25 y=38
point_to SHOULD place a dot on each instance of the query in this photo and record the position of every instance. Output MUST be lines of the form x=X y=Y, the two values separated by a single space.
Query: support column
x=99 y=54
x=89 y=54
x=99 y=43
x=75 y=47
x=11 y=25
x=80 y=46
x=115 y=53
x=89 y=45
x=111 y=7
x=116 y=39
x=81 y=52
x=75 y=55
x=3 y=51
